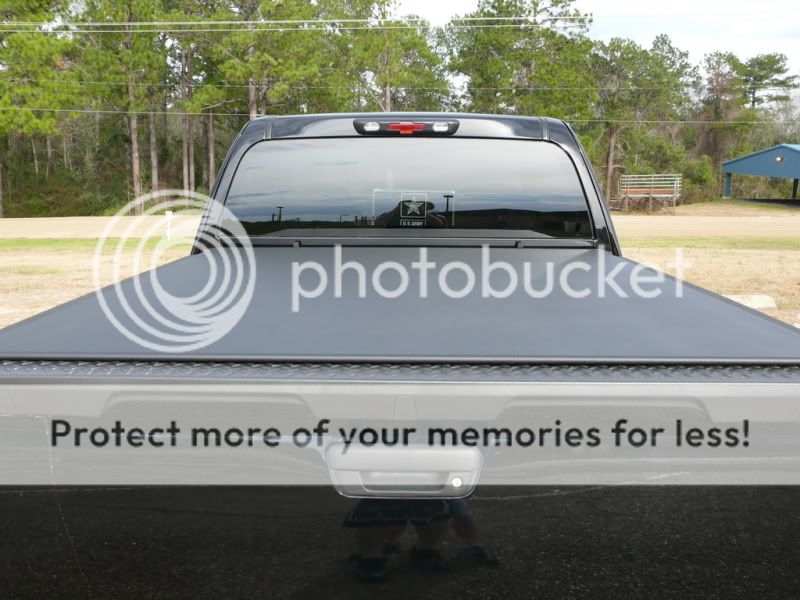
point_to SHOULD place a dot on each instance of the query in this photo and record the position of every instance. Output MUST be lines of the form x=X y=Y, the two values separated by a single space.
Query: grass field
x=38 y=273
x=739 y=271
x=717 y=243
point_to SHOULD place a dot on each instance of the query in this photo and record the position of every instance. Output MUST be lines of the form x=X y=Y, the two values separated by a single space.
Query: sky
x=744 y=27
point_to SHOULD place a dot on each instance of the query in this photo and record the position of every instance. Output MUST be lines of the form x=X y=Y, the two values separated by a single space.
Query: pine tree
x=35 y=82
x=637 y=85
x=395 y=62
x=536 y=61
x=122 y=66
x=765 y=74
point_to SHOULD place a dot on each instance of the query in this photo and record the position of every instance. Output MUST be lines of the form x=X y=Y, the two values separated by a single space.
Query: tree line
x=103 y=100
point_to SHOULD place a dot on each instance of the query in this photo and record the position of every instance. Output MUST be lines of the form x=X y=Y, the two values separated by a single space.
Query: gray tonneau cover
x=698 y=327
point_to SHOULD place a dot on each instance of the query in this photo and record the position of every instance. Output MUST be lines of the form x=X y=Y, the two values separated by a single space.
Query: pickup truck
x=455 y=278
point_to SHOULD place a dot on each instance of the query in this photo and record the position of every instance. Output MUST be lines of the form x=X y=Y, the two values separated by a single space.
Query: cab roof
x=470 y=125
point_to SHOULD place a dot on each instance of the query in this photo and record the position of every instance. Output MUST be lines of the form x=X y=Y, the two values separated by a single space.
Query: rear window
x=456 y=186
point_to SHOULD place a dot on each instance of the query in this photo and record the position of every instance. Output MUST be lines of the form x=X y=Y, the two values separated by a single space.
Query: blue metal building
x=779 y=161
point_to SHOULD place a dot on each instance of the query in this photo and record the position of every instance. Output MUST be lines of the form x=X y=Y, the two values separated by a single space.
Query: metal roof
x=782 y=160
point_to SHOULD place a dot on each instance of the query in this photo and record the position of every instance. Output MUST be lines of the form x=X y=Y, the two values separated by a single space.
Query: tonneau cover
x=698 y=327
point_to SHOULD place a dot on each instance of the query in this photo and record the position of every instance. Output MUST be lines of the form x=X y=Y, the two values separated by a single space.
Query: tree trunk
x=204 y=167
x=136 y=179
x=96 y=135
x=387 y=87
x=212 y=160
x=185 y=150
x=252 y=98
x=153 y=153
x=190 y=150
x=185 y=122
x=613 y=132
x=48 y=144
x=133 y=122
x=252 y=95
x=387 y=97
x=35 y=157
x=64 y=150
x=16 y=152
x=89 y=152
x=188 y=142
x=133 y=129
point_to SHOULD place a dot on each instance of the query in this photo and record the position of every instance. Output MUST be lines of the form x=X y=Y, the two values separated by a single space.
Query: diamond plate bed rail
x=151 y=371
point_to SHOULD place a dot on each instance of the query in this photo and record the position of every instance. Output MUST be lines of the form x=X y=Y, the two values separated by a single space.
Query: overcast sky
x=699 y=26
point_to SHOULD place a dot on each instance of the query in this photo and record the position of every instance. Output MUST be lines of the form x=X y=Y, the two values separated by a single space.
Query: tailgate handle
x=409 y=472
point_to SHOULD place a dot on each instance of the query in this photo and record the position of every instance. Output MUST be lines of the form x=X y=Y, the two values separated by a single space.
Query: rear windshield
x=455 y=186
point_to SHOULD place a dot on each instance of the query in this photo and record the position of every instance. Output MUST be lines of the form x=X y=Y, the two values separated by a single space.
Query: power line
x=280 y=21
x=244 y=114
x=107 y=111
x=681 y=122
x=346 y=87
x=329 y=29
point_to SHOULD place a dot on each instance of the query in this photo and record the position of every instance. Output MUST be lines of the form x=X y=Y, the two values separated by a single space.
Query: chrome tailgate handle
x=409 y=472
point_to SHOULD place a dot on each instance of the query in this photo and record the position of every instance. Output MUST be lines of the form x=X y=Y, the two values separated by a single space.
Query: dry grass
x=722 y=207
x=735 y=247
x=35 y=275
x=770 y=272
